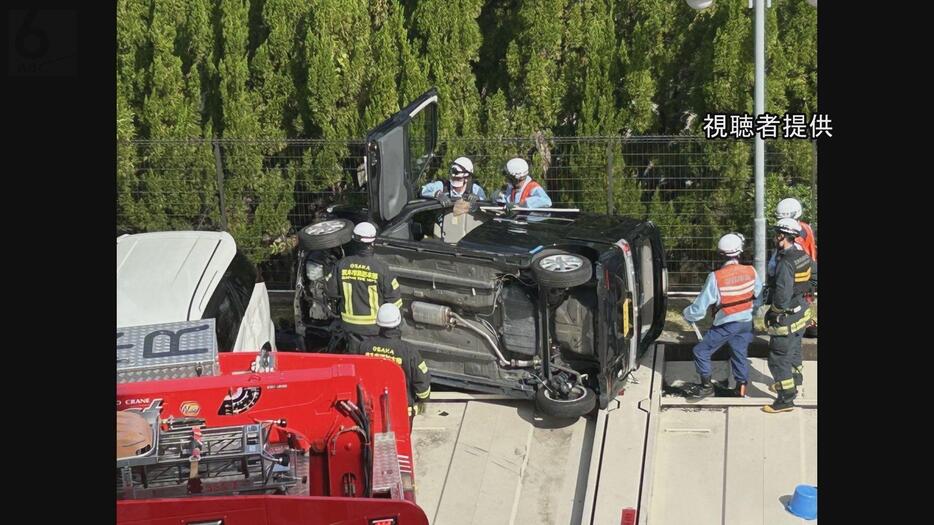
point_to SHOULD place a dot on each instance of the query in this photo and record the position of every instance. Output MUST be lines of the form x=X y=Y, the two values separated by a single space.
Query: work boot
x=701 y=390
x=783 y=403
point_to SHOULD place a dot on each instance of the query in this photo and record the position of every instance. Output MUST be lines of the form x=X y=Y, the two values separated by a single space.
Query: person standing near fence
x=791 y=208
x=360 y=284
x=522 y=191
x=733 y=289
x=788 y=314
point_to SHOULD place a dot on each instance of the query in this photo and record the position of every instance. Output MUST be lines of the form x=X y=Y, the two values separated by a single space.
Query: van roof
x=165 y=277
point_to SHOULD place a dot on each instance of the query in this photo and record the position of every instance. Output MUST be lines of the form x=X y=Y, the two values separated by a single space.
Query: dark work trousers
x=784 y=355
x=737 y=335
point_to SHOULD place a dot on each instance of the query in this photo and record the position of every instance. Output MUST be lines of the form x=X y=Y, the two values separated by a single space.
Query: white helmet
x=788 y=208
x=462 y=165
x=461 y=168
x=731 y=244
x=517 y=168
x=788 y=226
x=388 y=316
x=365 y=232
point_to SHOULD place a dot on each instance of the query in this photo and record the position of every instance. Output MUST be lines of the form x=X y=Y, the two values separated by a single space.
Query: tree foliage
x=331 y=69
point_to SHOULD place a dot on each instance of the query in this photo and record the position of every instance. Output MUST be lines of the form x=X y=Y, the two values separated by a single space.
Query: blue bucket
x=804 y=502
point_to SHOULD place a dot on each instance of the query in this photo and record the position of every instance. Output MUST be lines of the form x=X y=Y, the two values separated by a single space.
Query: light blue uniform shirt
x=711 y=295
x=429 y=190
x=537 y=198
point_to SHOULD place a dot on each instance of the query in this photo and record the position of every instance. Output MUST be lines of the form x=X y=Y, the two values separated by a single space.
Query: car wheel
x=580 y=401
x=326 y=234
x=560 y=269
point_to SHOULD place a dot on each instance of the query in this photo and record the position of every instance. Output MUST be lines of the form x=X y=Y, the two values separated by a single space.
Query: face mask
x=458 y=184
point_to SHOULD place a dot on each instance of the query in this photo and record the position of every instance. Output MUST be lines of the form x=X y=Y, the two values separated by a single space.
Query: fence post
x=609 y=176
x=219 y=167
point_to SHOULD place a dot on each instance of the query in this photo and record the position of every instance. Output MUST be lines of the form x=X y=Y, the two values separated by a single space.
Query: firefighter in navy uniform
x=359 y=284
x=389 y=345
x=806 y=241
x=788 y=314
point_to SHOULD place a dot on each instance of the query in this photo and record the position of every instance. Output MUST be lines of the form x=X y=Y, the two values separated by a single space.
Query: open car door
x=398 y=153
x=651 y=275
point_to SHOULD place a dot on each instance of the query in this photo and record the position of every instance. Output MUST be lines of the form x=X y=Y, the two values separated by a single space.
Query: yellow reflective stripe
x=624 y=312
x=788 y=384
x=801 y=323
x=423 y=367
x=359 y=319
x=348 y=299
x=800 y=277
x=398 y=303
x=374 y=298
x=423 y=395
x=395 y=284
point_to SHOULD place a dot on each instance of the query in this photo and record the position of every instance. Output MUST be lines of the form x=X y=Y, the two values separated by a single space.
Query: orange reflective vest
x=525 y=192
x=807 y=242
x=736 y=284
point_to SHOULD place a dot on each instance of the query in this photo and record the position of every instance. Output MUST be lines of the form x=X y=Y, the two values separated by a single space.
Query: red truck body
x=304 y=390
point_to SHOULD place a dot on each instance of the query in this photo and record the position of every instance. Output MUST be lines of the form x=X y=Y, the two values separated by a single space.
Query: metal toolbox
x=167 y=351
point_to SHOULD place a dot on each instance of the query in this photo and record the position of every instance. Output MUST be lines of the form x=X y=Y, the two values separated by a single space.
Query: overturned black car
x=541 y=304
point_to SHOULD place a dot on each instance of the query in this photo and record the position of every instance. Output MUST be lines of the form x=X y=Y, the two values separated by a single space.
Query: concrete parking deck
x=674 y=461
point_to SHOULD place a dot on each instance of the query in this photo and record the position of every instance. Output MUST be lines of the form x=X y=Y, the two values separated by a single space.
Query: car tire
x=326 y=234
x=580 y=405
x=561 y=269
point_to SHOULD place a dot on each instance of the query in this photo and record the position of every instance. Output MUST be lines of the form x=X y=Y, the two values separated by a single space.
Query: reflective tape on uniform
x=358 y=319
x=423 y=367
x=395 y=284
x=423 y=395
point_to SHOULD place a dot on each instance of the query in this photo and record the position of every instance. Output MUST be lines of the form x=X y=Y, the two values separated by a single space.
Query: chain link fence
x=262 y=191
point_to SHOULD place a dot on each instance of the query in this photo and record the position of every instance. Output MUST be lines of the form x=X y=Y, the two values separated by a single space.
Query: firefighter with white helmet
x=389 y=345
x=359 y=284
x=459 y=184
x=733 y=289
x=790 y=208
x=788 y=315
x=521 y=190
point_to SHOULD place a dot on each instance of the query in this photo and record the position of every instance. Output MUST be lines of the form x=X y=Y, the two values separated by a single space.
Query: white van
x=166 y=277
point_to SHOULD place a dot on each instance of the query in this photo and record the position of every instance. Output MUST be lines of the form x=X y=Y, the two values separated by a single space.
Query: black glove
x=509 y=206
x=472 y=198
x=443 y=198
x=773 y=317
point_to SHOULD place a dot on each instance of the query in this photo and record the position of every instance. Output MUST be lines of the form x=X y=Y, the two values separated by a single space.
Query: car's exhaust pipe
x=437 y=315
